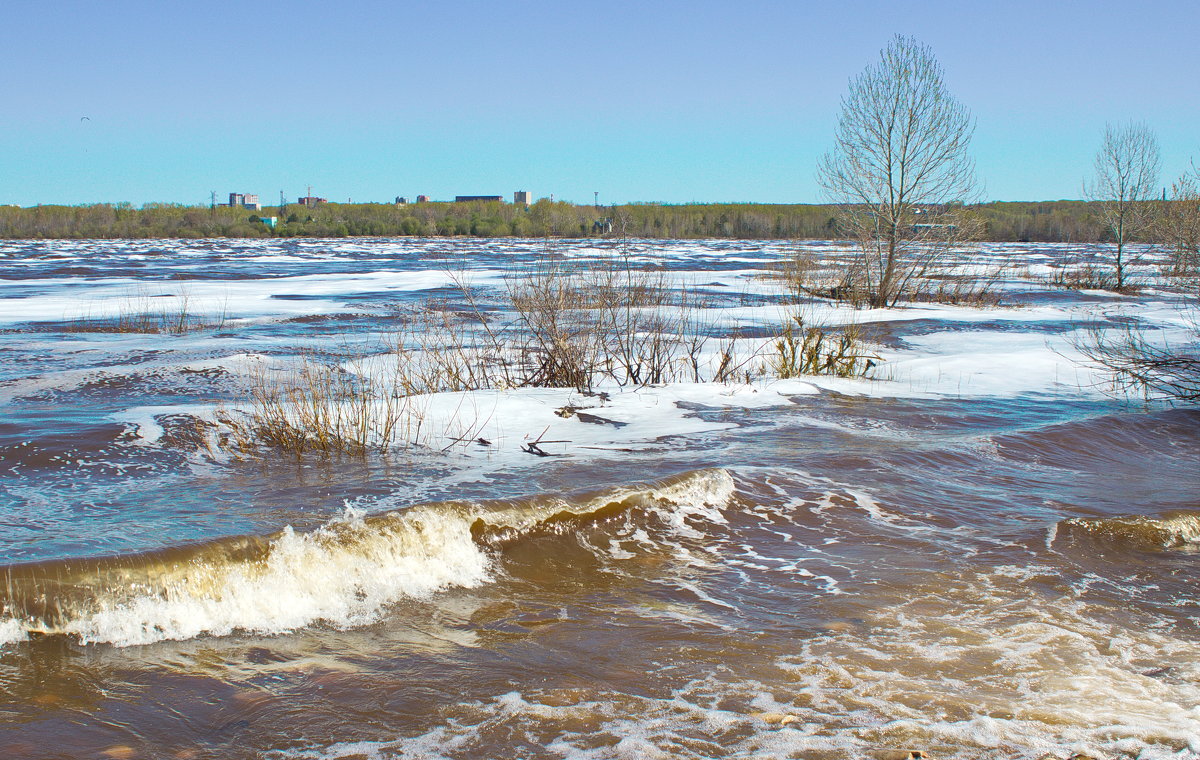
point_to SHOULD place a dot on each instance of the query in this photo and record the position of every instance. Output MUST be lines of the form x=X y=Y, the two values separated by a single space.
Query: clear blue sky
x=663 y=100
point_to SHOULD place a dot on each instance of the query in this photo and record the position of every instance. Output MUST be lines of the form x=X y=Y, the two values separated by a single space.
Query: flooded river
x=975 y=552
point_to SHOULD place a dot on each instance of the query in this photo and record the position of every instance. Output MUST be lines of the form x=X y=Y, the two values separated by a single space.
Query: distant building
x=401 y=200
x=522 y=196
x=422 y=199
x=311 y=200
x=245 y=200
x=469 y=198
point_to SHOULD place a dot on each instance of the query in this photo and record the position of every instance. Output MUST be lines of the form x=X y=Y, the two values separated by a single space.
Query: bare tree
x=900 y=172
x=1177 y=228
x=1127 y=167
x=1141 y=360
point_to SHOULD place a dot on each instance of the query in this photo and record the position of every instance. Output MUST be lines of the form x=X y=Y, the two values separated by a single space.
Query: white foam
x=11 y=632
x=1030 y=678
x=344 y=573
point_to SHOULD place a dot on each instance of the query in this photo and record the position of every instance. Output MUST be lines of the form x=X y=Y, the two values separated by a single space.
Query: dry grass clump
x=142 y=313
x=1082 y=277
x=347 y=405
x=978 y=290
x=802 y=350
x=317 y=408
x=314 y=406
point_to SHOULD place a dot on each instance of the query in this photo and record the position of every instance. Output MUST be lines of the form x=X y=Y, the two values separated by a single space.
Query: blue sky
x=650 y=101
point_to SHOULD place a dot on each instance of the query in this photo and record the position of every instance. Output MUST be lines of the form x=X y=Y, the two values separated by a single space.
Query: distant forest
x=1047 y=221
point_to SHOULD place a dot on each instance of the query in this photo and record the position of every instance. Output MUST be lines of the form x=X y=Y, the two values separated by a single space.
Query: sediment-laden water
x=976 y=552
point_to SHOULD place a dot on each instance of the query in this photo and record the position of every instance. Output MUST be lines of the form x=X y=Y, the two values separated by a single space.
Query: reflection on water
x=825 y=576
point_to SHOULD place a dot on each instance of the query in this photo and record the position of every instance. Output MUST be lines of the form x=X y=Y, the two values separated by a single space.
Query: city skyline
x=139 y=102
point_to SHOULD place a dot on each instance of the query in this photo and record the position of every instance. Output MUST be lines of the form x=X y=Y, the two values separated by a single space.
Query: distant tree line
x=1047 y=221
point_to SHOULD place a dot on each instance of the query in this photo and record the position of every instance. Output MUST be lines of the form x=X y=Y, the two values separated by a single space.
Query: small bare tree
x=1127 y=167
x=1177 y=228
x=900 y=172
x=1139 y=360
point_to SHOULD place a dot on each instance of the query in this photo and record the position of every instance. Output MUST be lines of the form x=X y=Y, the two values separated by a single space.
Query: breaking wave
x=344 y=573
x=1173 y=530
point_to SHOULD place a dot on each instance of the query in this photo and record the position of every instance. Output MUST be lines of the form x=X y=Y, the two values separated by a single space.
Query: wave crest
x=1174 y=530
x=344 y=573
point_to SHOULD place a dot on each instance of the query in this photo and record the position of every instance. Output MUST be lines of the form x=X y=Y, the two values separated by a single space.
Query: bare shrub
x=1177 y=228
x=960 y=290
x=1088 y=276
x=555 y=308
x=648 y=327
x=617 y=321
x=957 y=288
x=443 y=350
x=805 y=275
x=1140 y=366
